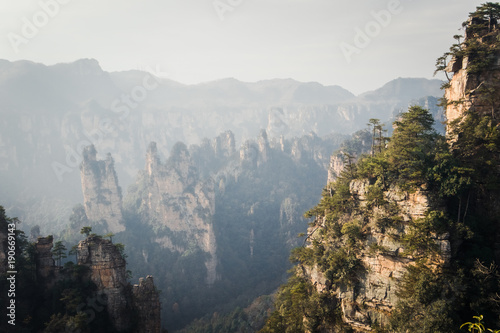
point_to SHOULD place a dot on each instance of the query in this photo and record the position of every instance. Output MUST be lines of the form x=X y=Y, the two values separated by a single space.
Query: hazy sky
x=356 y=44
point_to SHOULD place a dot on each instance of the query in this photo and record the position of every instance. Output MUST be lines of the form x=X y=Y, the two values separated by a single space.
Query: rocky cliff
x=101 y=193
x=472 y=88
x=383 y=259
x=147 y=304
x=336 y=166
x=107 y=270
x=180 y=205
x=45 y=265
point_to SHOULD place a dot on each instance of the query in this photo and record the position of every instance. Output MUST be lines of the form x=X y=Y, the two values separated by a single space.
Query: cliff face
x=336 y=167
x=101 y=192
x=224 y=145
x=107 y=269
x=180 y=205
x=371 y=297
x=45 y=265
x=147 y=305
x=108 y=272
x=470 y=89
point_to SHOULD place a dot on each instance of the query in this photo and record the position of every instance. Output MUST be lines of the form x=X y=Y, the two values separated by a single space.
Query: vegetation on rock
x=460 y=179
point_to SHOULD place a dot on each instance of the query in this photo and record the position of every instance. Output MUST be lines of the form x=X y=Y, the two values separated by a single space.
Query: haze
x=193 y=41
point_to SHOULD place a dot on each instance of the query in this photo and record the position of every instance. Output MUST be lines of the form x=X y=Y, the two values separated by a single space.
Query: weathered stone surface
x=178 y=201
x=108 y=272
x=249 y=154
x=264 y=149
x=101 y=193
x=107 y=269
x=462 y=94
x=147 y=305
x=336 y=167
x=373 y=296
x=224 y=144
x=45 y=266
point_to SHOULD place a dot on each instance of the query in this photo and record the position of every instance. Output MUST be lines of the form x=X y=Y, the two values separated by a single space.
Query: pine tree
x=86 y=231
x=59 y=252
x=411 y=146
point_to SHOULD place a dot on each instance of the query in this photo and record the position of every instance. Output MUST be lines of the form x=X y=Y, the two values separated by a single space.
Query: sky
x=359 y=45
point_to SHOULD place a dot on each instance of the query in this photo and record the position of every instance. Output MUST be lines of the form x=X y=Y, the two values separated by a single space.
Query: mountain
x=49 y=113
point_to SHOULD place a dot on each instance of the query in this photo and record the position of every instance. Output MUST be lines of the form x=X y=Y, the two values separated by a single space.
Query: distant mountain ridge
x=49 y=113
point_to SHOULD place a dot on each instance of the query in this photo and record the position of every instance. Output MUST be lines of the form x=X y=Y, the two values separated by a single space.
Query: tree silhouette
x=59 y=252
x=110 y=235
x=74 y=251
x=86 y=231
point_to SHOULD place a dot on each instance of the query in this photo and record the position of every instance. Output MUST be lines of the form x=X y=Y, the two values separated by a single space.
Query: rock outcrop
x=107 y=270
x=249 y=154
x=469 y=88
x=224 y=145
x=45 y=265
x=336 y=167
x=101 y=192
x=372 y=297
x=147 y=305
x=264 y=149
x=180 y=205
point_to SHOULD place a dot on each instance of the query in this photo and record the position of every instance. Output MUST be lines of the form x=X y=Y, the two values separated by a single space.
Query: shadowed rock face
x=107 y=270
x=45 y=265
x=147 y=305
x=101 y=192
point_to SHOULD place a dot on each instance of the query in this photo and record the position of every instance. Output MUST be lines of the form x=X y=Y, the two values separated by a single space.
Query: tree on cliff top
x=410 y=150
x=486 y=15
x=86 y=231
x=481 y=43
x=59 y=252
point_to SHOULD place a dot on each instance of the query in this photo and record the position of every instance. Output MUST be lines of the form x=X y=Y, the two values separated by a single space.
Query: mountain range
x=49 y=113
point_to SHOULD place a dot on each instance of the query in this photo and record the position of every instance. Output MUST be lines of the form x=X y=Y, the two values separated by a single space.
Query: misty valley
x=133 y=203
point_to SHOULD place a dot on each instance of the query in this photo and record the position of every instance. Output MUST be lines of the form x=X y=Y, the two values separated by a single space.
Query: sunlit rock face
x=179 y=205
x=469 y=91
x=101 y=193
x=372 y=297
